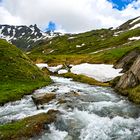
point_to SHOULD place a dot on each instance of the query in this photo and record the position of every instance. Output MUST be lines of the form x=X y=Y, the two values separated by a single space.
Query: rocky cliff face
x=127 y=61
x=131 y=78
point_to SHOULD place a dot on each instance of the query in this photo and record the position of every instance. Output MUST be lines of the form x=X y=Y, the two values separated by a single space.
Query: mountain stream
x=89 y=112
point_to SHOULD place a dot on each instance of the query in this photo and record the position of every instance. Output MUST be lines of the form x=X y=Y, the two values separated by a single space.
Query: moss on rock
x=28 y=127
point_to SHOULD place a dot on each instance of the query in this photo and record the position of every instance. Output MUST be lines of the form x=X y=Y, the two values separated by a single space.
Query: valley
x=81 y=86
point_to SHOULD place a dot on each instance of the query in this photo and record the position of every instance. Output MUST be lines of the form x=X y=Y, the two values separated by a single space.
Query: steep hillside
x=101 y=46
x=18 y=76
x=24 y=37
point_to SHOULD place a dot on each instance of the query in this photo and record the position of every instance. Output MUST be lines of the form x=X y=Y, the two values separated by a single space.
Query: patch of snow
x=103 y=50
x=78 y=46
x=55 y=69
x=19 y=28
x=14 y=38
x=14 y=32
x=135 y=26
x=37 y=39
x=83 y=44
x=135 y=38
x=51 y=51
x=100 y=72
x=42 y=65
x=44 y=34
x=33 y=29
x=52 y=69
x=71 y=38
x=1 y=33
x=137 y=19
x=117 y=33
x=23 y=34
x=8 y=38
x=28 y=52
x=9 y=29
x=35 y=33
x=62 y=71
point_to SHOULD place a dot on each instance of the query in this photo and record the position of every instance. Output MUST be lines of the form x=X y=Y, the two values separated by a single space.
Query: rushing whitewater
x=88 y=113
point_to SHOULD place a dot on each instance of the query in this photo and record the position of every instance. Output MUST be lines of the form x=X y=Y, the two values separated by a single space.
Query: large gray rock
x=40 y=99
x=132 y=77
x=127 y=61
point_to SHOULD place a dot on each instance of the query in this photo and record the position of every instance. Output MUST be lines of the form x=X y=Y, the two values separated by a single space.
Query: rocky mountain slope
x=24 y=37
x=18 y=75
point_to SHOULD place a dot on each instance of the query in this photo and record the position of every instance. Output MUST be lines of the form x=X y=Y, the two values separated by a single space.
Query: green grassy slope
x=92 y=41
x=63 y=49
x=107 y=56
x=18 y=76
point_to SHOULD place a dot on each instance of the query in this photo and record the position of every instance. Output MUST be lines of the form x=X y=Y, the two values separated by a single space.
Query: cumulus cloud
x=7 y=18
x=69 y=15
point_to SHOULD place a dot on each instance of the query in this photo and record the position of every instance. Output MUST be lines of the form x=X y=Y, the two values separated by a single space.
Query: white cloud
x=70 y=15
x=7 y=18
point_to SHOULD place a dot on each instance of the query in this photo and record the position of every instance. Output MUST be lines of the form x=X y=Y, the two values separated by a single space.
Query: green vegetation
x=133 y=94
x=84 y=79
x=28 y=127
x=108 y=56
x=89 y=42
x=18 y=76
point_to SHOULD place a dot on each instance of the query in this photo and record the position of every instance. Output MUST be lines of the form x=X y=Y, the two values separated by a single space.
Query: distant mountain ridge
x=29 y=37
x=24 y=37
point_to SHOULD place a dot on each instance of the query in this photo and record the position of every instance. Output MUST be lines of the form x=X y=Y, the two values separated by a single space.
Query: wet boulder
x=40 y=99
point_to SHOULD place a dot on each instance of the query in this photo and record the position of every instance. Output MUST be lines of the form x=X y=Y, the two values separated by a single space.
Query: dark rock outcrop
x=129 y=82
x=127 y=61
x=131 y=78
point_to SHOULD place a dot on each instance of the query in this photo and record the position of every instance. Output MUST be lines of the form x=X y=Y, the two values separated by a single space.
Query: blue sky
x=51 y=26
x=121 y=4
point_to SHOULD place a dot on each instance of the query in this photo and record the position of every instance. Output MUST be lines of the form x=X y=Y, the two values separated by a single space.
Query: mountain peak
x=23 y=36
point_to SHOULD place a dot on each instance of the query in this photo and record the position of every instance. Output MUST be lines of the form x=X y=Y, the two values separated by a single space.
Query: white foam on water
x=21 y=109
x=54 y=134
x=91 y=119
x=104 y=128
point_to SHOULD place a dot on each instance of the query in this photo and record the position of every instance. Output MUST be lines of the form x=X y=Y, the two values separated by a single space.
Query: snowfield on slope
x=135 y=38
x=100 y=72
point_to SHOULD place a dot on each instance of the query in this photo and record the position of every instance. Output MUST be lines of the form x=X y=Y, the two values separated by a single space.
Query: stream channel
x=89 y=112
